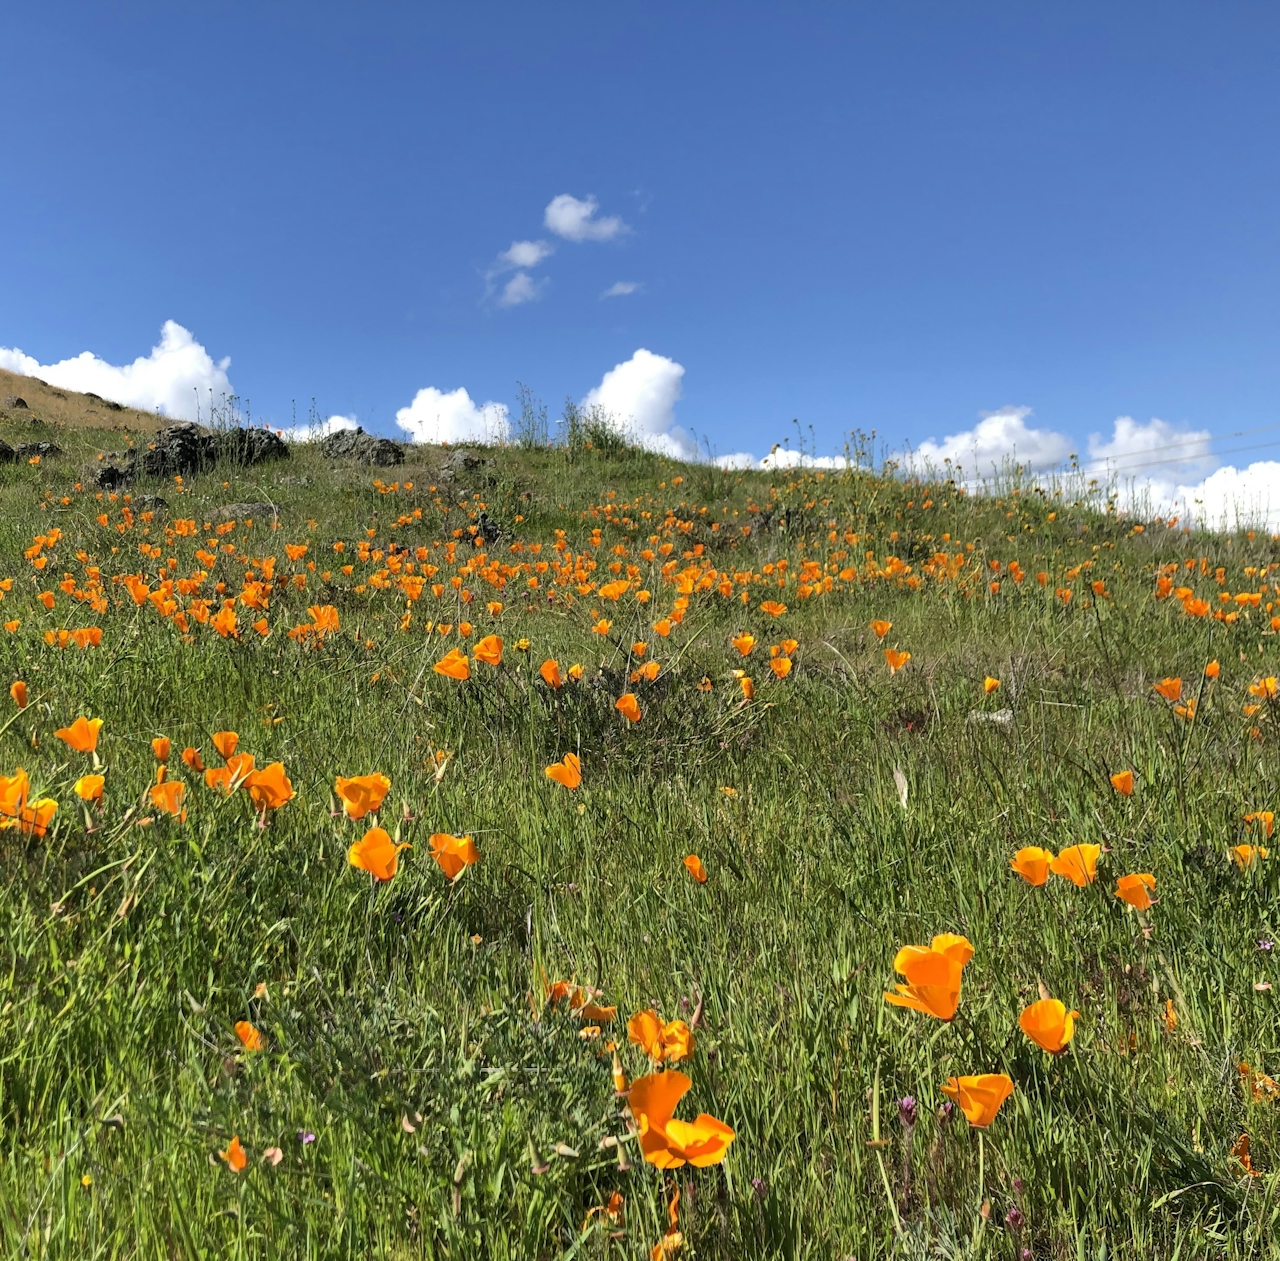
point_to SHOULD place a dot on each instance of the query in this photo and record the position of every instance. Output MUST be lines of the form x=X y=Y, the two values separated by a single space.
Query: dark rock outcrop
x=365 y=448
x=18 y=404
x=28 y=450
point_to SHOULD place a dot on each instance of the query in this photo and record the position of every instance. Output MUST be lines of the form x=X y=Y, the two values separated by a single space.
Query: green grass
x=130 y=951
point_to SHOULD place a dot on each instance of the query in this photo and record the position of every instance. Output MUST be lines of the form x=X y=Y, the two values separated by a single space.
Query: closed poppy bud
x=18 y=691
x=1135 y=889
x=550 y=671
x=160 y=746
x=1077 y=863
x=628 y=707
x=225 y=742
x=82 y=735
x=568 y=771
x=1049 y=1024
x=193 y=759
x=693 y=865
x=1032 y=864
x=1122 y=782
x=89 y=787
x=249 y=1037
x=979 y=1097
x=990 y=685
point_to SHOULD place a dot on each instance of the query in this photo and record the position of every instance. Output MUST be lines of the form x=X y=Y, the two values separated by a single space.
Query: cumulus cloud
x=176 y=373
x=575 y=219
x=435 y=416
x=784 y=458
x=524 y=254
x=1230 y=498
x=621 y=288
x=736 y=460
x=1156 y=450
x=521 y=288
x=998 y=437
x=314 y=433
x=641 y=396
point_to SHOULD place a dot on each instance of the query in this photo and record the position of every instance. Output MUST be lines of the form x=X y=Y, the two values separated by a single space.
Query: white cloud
x=1230 y=498
x=436 y=417
x=641 y=396
x=575 y=220
x=167 y=381
x=736 y=460
x=521 y=288
x=314 y=433
x=524 y=254
x=784 y=458
x=997 y=437
x=621 y=288
x=1156 y=450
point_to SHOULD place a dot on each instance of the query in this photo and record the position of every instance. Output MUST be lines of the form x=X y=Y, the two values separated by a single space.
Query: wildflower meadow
x=552 y=851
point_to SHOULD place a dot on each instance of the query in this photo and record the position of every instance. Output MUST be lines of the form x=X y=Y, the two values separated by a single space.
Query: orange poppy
x=567 y=771
x=603 y=626
x=1170 y=689
x=454 y=665
x=361 y=794
x=168 y=797
x=270 y=787
x=235 y=1155
x=1077 y=863
x=82 y=735
x=1049 y=1024
x=453 y=853
x=672 y=1041
x=781 y=666
x=1187 y=711
x=1268 y=688
x=990 y=685
x=1212 y=670
x=1032 y=864
x=550 y=671
x=896 y=659
x=979 y=1097
x=161 y=747
x=489 y=650
x=230 y=777
x=639 y=648
x=89 y=787
x=225 y=742
x=933 y=973
x=193 y=759
x=744 y=643
x=693 y=865
x=628 y=707
x=773 y=608
x=1266 y=818
x=249 y=1037
x=662 y=628
x=881 y=628
x=1122 y=782
x=18 y=691
x=1135 y=889
x=1247 y=855
x=376 y=853
x=666 y=1141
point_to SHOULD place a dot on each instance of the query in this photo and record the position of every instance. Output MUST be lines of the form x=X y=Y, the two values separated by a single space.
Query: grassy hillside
x=415 y=1093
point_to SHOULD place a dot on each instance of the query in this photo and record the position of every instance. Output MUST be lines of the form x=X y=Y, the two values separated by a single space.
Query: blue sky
x=887 y=216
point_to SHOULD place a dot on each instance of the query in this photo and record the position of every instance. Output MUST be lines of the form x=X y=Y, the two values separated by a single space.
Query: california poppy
x=1032 y=864
x=234 y=1155
x=896 y=659
x=672 y=1041
x=773 y=608
x=361 y=794
x=567 y=771
x=225 y=742
x=744 y=643
x=1077 y=863
x=161 y=747
x=1268 y=688
x=781 y=666
x=550 y=671
x=249 y=1037
x=1122 y=782
x=1247 y=855
x=230 y=777
x=1049 y=1024
x=376 y=853
x=89 y=787
x=1134 y=889
x=453 y=853
x=270 y=788
x=1170 y=689
x=933 y=975
x=168 y=796
x=693 y=865
x=666 y=1141
x=1265 y=818
x=990 y=685
x=881 y=628
x=628 y=707
x=489 y=650
x=979 y=1097
x=18 y=691
x=1212 y=670
x=454 y=665
x=82 y=735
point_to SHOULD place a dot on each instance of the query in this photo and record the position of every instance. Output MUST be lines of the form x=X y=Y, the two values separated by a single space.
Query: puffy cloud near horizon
x=574 y=219
x=640 y=395
x=999 y=436
x=437 y=417
x=177 y=379
x=1230 y=498
x=314 y=433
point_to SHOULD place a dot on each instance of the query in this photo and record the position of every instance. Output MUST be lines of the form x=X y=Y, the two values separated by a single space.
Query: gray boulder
x=250 y=446
x=365 y=448
x=26 y=450
x=17 y=403
x=178 y=450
